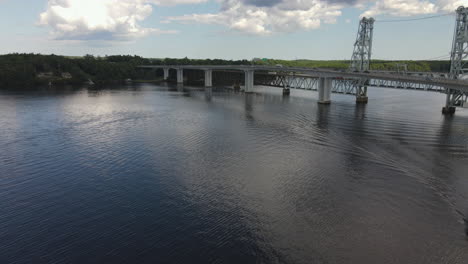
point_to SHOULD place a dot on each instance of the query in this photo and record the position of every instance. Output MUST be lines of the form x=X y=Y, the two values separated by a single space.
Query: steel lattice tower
x=458 y=60
x=460 y=45
x=360 y=61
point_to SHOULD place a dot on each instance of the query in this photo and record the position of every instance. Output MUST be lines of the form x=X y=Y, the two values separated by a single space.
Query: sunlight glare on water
x=156 y=174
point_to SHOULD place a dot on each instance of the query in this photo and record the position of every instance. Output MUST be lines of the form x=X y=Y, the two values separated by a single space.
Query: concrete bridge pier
x=449 y=108
x=249 y=81
x=324 y=89
x=286 y=86
x=361 y=93
x=166 y=73
x=362 y=99
x=180 y=75
x=208 y=78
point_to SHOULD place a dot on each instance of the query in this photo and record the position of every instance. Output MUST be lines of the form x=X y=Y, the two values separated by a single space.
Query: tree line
x=28 y=70
x=380 y=65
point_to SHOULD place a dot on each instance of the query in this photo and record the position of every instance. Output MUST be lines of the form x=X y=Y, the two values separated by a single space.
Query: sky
x=226 y=29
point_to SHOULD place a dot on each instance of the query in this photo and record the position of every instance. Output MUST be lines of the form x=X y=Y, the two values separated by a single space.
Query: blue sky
x=228 y=29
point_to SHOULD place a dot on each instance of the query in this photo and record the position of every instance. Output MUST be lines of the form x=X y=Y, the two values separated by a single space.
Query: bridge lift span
x=358 y=77
x=362 y=54
x=458 y=61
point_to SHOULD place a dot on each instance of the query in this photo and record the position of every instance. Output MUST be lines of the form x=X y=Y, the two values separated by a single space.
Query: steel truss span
x=343 y=86
x=459 y=62
x=406 y=85
x=357 y=78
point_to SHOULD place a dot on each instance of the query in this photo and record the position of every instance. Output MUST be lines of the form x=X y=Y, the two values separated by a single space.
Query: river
x=154 y=174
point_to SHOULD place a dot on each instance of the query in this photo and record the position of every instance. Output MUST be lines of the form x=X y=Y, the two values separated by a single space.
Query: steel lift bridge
x=355 y=80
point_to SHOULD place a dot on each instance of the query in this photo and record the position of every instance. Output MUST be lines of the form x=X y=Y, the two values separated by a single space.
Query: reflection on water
x=172 y=174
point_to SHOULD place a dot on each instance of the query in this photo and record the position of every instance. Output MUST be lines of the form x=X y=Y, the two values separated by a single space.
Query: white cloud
x=120 y=19
x=262 y=17
x=451 y=5
x=401 y=8
x=102 y=19
x=176 y=2
x=413 y=7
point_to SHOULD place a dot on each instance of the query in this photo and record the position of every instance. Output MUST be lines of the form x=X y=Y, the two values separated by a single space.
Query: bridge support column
x=286 y=85
x=324 y=89
x=208 y=78
x=449 y=108
x=166 y=73
x=249 y=81
x=361 y=97
x=361 y=93
x=180 y=75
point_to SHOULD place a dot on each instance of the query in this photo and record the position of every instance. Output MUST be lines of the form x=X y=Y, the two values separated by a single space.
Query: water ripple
x=152 y=174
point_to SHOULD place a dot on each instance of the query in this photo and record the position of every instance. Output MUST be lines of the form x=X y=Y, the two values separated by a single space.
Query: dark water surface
x=151 y=174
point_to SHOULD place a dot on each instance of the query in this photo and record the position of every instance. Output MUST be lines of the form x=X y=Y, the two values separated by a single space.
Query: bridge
x=353 y=81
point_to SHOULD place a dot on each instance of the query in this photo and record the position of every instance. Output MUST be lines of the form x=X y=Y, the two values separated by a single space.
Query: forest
x=30 y=70
x=379 y=65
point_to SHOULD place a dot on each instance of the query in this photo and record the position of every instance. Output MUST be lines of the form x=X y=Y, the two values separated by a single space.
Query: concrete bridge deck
x=326 y=80
x=460 y=85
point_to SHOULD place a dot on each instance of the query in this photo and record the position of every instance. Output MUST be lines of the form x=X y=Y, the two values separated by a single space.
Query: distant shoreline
x=34 y=70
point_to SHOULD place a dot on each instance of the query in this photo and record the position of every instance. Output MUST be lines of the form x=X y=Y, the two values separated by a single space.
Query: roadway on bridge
x=460 y=85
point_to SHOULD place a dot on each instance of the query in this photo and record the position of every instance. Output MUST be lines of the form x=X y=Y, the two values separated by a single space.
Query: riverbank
x=32 y=70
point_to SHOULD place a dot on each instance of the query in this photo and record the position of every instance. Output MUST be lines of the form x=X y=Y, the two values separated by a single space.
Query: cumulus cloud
x=401 y=8
x=120 y=19
x=262 y=17
x=102 y=19
x=413 y=7
x=176 y=2
x=450 y=5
